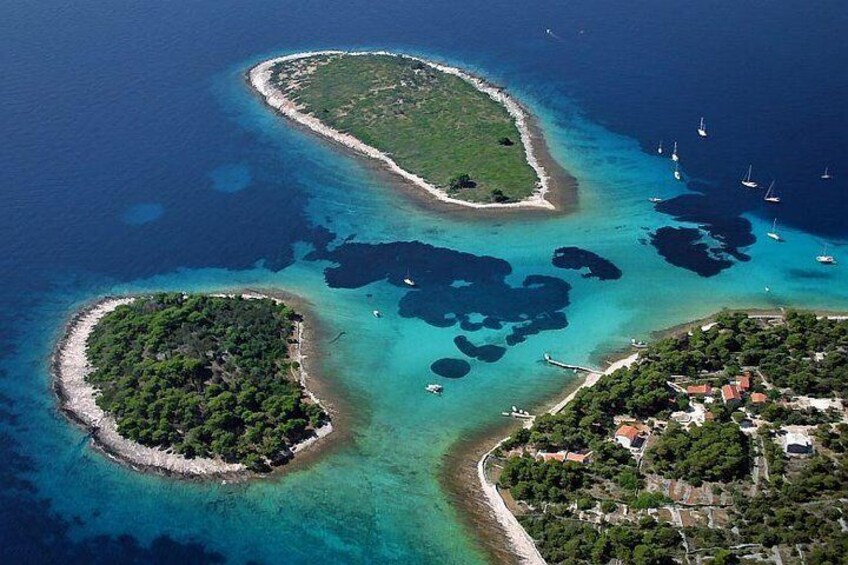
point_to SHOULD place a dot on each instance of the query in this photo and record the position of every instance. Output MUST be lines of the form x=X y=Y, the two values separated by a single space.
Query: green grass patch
x=433 y=124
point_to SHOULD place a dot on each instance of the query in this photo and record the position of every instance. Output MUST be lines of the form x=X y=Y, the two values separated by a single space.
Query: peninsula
x=189 y=384
x=723 y=444
x=458 y=137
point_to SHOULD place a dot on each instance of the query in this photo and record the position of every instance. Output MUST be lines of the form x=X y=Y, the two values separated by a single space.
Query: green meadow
x=433 y=124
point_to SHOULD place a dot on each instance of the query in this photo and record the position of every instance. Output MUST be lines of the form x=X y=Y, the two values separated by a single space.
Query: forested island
x=202 y=384
x=723 y=444
x=460 y=138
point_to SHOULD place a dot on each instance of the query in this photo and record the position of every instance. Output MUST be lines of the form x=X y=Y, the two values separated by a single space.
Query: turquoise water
x=191 y=184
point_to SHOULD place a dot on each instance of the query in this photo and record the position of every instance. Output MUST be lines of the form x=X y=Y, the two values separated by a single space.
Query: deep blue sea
x=134 y=158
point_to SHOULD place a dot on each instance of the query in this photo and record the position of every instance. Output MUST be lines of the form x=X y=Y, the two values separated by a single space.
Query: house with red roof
x=699 y=390
x=578 y=457
x=730 y=394
x=743 y=382
x=627 y=436
x=558 y=456
x=758 y=398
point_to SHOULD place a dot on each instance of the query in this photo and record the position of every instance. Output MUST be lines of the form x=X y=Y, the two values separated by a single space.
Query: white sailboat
x=773 y=233
x=747 y=182
x=770 y=197
x=677 y=172
x=826 y=174
x=824 y=258
x=674 y=156
x=702 y=129
x=408 y=280
x=659 y=149
x=655 y=200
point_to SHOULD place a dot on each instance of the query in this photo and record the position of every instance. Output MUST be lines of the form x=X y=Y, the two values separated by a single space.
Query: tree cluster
x=204 y=376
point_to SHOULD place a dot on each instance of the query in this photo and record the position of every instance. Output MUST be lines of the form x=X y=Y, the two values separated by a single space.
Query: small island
x=191 y=384
x=725 y=444
x=458 y=137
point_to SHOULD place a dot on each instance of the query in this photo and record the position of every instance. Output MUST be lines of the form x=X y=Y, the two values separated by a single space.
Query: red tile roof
x=758 y=398
x=627 y=431
x=743 y=382
x=551 y=456
x=704 y=389
x=730 y=392
x=577 y=457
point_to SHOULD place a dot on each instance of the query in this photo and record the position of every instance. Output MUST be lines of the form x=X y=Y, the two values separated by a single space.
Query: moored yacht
x=659 y=149
x=770 y=196
x=677 y=172
x=773 y=233
x=747 y=182
x=824 y=258
x=408 y=280
x=435 y=389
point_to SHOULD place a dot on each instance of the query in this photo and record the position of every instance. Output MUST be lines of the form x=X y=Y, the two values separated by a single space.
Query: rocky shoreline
x=260 y=78
x=70 y=366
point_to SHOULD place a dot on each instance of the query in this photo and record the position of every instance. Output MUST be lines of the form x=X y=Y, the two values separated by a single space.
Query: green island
x=724 y=444
x=432 y=123
x=203 y=376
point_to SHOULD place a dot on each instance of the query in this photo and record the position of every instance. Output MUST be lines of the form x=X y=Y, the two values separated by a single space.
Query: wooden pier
x=551 y=361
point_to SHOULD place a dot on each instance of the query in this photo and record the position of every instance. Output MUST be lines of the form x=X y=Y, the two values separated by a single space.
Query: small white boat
x=677 y=175
x=773 y=233
x=770 y=197
x=824 y=258
x=659 y=149
x=408 y=280
x=435 y=389
x=826 y=174
x=747 y=182
x=655 y=200
x=638 y=344
x=674 y=156
x=702 y=129
x=377 y=314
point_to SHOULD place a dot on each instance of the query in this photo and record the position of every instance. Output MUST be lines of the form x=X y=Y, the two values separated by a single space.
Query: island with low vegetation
x=726 y=443
x=191 y=384
x=453 y=134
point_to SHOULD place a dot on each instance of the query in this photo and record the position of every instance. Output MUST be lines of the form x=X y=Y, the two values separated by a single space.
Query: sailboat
x=677 y=172
x=769 y=197
x=773 y=233
x=702 y=129
x=408 y=280
x=824 y=258
x=747 y=182
x=674 y=156
x=659 y=149
x=826 y=174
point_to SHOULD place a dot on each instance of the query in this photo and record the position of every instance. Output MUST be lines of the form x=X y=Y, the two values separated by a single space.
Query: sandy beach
x=260 y=78
x=70 y=367
x=519 y=540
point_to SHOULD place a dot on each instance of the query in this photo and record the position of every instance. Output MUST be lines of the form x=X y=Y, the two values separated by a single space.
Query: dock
x=551 y=361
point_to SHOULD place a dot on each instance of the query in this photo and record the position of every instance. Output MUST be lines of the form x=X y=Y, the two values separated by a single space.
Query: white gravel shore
x=77 y=398
x=260 y=77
